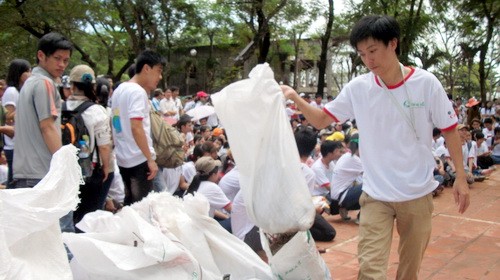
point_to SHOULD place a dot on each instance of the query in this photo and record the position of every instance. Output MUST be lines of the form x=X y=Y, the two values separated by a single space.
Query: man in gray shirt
x=38 y=116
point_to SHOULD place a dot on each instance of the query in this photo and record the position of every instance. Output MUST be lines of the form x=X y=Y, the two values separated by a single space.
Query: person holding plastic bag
x=396 y=108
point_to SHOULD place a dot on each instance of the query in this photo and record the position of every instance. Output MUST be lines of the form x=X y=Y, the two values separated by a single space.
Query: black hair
x=306 y=140
x=378 y=27
x=354 y=143
x=436 y=131
x=477 y=134
x=131 y=71
x=102 y=91
x=157 y=92
x=88 y=89
x=329 y=146
x=16 y=69
x=148 y=57
x=488 y=120
x=208 y=147
x=173 y=88
x=204 y=128
x=197 y=152
x=52 y=42
x=198 y=178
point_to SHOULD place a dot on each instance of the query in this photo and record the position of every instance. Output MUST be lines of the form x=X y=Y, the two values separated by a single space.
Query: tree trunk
x=323 y=58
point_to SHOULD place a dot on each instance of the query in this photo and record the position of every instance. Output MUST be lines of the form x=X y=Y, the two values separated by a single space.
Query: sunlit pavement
x=461 y=247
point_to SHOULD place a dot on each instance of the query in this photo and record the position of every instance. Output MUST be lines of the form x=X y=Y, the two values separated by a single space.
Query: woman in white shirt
x=18 y=73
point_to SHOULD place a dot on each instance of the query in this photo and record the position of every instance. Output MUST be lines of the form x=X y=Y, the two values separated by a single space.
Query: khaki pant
x=413 y=222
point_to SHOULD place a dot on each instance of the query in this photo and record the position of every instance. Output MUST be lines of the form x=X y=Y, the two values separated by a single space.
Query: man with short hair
x=409 y=102
x=38 y=116
x=177 y=101
x=134 y=150
x=331 y=151
x=157 y=97
x=38 y=119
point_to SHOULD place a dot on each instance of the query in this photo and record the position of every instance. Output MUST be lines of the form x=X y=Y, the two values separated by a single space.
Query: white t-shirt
x=230 y=183
x=216 y=198
x=172 y=177
x=310 y=177
x=10 y=97
x=442 y=151
x=397 y=166
x=437 y=143
x=323 y=177
x=483 y=148
x=488 y=134
x=240 y=222
x=188 y=171
x=314 y=104
x=130 y=101
x=347 y=170
x=167 y=105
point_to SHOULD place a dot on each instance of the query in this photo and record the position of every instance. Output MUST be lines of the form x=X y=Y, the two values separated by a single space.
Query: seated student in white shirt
x=205 y=183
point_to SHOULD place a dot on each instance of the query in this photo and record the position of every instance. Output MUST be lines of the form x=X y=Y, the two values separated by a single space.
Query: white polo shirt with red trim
x=397 y=166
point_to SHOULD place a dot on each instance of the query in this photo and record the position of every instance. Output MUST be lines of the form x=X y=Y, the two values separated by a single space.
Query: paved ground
x=461 y=247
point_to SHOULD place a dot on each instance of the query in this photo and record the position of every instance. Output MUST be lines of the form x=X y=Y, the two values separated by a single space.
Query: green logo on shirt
x=412 y=104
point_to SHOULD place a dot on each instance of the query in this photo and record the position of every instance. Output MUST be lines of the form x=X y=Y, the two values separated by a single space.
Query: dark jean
x=9 y=155
x=322 y=230
x=351 y=200
x=137 y=185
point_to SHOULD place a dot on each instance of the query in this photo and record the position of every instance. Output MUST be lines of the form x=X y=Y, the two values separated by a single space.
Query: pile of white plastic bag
x=161 y=237
x=31 y=246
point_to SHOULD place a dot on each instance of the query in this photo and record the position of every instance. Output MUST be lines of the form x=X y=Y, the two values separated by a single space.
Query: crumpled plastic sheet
x=161 y=237
x=31 y=246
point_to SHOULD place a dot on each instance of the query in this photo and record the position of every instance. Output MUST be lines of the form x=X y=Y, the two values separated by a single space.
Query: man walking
x=396 y=108
x=132 y=128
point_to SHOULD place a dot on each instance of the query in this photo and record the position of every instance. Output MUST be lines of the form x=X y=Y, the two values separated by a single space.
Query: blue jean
x=496 y=159
x=9 y=155
x=351 y=200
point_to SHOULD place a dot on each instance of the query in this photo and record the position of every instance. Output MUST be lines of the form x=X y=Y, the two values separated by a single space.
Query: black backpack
x=73 y=130
x=73 y=127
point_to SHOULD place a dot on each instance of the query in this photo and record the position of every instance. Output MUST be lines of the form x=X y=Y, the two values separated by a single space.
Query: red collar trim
x=412 y=70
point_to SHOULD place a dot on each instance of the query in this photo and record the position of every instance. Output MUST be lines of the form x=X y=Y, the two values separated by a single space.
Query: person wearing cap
x=131 y=127
x=396 y=108
x=473 y=110
x=205 y=183
x=202 y=98
x=82 y=81
x=65 y=87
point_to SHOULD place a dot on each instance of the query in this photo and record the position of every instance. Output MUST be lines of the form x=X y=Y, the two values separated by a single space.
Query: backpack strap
x=78 y=110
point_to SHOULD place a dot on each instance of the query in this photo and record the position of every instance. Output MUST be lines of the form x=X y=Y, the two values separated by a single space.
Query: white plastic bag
x=131 y=249
x=176 y=239
x=275 y=192
x=297 y=259
x=30 y=237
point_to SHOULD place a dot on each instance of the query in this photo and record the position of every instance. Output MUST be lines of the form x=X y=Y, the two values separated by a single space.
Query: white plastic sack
x=297 y=259
x=131 y=249
x=197 y=246
x=30 y=237
x=275 y=192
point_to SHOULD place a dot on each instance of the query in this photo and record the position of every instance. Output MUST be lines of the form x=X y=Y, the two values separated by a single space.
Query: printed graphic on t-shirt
x=117 y=125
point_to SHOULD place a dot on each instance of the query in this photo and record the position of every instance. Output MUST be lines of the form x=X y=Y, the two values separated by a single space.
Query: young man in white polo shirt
x=395 y=108
x=134 y=150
